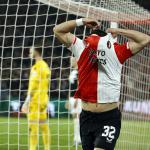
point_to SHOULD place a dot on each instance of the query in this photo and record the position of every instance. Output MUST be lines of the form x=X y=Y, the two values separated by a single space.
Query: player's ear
x=31 y=52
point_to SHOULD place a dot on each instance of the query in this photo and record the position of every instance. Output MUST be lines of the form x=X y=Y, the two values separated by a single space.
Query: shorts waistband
x=101 y=113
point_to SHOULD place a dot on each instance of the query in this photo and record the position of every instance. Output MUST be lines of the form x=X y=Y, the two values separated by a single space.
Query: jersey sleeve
x=77 y=47
x=123 y=52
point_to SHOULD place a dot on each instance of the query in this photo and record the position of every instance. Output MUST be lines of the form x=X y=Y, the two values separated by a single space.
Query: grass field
x=134 y=135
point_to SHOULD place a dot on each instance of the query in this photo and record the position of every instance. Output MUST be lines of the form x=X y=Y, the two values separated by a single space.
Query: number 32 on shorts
x=109 y=132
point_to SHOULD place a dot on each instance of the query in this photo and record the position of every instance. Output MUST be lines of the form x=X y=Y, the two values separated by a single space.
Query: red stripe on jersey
x=122 y=52
x=88 y=71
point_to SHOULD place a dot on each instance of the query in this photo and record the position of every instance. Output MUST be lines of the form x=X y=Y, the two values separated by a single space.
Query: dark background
x=143 y=3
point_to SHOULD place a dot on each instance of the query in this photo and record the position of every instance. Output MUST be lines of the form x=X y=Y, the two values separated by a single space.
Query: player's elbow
x=149 y=40
x=55 y=30
x=146 y=41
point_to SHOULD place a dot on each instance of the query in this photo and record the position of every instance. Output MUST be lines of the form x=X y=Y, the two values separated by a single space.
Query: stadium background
x=25 y=23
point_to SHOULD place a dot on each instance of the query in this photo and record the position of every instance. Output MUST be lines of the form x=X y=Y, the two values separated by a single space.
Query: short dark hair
x=99 y=32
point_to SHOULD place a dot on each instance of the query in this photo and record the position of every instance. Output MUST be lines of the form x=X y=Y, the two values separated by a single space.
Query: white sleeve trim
x=77 y=47
x=128 y=46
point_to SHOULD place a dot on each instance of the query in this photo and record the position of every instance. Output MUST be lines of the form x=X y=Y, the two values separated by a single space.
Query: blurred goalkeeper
x=100 y=59
x=74 y=105
x=36 y=102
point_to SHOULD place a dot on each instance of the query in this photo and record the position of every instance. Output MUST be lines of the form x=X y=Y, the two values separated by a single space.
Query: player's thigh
x=87 y=138
x=43 y=112
x=98 y=149
x=33 y=113
x=87 y=142
x=37 y=112
x=108 y=136
x=86 y=135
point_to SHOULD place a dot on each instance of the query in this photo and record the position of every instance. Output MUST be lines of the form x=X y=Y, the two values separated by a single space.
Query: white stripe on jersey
x=108 y=89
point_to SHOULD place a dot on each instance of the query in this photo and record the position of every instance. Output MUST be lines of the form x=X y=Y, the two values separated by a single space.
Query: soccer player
x=74 y=104
x=100 y=60
x=36 y=102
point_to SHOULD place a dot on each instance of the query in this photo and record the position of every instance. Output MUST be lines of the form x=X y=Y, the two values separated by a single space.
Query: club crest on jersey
x=109 y=44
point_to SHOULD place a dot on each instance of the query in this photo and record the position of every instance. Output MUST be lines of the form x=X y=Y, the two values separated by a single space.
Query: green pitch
x=134 y=135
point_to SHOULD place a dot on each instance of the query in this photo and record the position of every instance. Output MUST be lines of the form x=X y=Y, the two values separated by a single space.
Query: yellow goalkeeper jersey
x=39 y=83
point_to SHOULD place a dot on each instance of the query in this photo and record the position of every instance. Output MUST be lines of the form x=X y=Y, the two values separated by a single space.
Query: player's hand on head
x=112 y=30
x=91 y=23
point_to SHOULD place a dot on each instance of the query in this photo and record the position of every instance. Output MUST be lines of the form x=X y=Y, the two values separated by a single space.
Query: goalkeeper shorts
x=37 y=112
x=100 y=130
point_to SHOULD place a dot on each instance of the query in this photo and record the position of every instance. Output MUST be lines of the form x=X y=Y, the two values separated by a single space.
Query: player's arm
x=31 y=89
x=32 y=86
x=138 y=40
x=63 y=30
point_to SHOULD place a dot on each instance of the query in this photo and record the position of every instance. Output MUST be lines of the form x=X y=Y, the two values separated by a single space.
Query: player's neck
x=38 y=59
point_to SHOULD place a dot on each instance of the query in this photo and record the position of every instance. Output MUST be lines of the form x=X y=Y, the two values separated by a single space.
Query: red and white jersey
x=100 y=62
